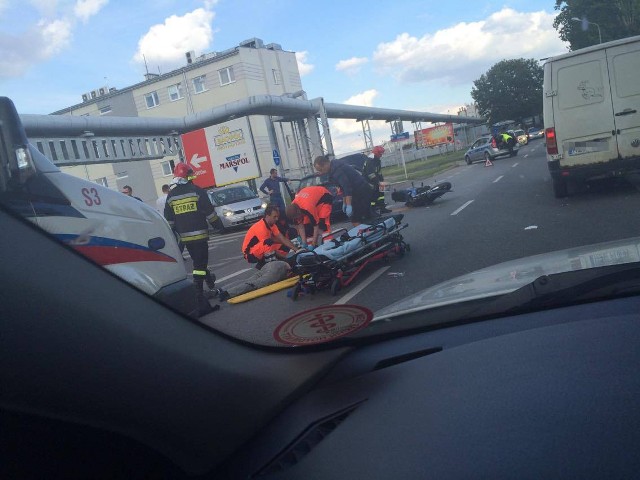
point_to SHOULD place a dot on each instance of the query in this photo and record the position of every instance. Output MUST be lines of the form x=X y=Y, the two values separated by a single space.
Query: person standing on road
x=162 y=199
x=356 y=190
x=271 y=187
x=263 y=241
x=310 y=211
x=189 y=211
x=128 y=191
x=373 y=173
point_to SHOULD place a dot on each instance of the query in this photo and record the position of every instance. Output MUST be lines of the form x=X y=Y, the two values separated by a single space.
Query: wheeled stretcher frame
x=377 y=242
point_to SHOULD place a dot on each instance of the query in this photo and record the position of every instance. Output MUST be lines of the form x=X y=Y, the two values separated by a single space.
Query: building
x=205 y=82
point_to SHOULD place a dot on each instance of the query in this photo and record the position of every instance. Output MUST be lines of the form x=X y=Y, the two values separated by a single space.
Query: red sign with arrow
x=196 y=153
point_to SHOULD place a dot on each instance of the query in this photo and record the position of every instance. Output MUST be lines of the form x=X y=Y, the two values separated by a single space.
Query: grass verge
x=425 y=168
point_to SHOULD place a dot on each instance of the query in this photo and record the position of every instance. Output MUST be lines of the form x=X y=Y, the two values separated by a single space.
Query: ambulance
x=120 y=233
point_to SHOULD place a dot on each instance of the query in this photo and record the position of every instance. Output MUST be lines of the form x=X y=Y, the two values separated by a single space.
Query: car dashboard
x=552 y=394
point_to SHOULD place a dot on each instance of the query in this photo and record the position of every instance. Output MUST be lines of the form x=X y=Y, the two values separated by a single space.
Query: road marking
x=361 y=287
x=222 y=279
x=462 y=207
x=498 y=179
x=515 y=164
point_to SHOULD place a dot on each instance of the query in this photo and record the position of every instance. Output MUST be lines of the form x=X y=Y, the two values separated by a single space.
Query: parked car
x=535 y=132
x=521 y=136
x=336 y=191
x=236 y=205
x=484 y=148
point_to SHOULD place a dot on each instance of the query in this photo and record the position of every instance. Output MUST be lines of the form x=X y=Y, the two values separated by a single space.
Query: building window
x=287 y=139
x=175 y=92
x=226 y=76
x=105 y=110
x=152 y=99
x=276 y=76
x=102 y=181
x=198 y=84
x=166 y=169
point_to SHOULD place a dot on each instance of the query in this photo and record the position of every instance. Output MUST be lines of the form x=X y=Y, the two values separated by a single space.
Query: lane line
x=222 y=279
x=462 y=207
x=498 y=179
x=515 y=164
x=362 y=286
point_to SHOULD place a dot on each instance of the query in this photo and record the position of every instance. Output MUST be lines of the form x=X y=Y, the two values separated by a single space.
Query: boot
x=204 y=307
x=210 y=278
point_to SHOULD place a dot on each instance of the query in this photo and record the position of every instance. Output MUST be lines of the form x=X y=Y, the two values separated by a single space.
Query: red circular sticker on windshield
x=322 y=324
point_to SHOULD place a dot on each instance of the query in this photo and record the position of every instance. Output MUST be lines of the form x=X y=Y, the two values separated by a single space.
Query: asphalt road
x=494 y=214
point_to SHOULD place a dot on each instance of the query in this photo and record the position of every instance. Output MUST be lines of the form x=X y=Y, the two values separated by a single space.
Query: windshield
x=130 y=157
x=231 y=195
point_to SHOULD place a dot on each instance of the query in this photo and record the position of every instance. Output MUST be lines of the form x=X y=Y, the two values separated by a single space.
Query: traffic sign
x=400 y=136
x=276 y=158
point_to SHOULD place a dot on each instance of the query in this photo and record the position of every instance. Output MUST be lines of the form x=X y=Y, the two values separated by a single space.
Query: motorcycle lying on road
x=420 y=196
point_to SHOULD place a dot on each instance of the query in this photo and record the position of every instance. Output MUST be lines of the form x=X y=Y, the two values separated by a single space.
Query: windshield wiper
x=571 y=287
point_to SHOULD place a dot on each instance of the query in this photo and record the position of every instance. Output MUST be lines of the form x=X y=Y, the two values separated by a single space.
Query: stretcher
x=274 y=287
x=337 y=262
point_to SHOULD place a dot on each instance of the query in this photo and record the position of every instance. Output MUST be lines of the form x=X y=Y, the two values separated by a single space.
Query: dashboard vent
x=305 y=442
x=388 y=362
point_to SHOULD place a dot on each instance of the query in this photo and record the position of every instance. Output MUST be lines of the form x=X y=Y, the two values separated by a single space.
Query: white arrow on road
x=196 y=160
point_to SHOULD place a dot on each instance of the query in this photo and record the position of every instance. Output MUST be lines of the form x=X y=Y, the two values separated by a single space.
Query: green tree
x=615 y=19
x=510 y=90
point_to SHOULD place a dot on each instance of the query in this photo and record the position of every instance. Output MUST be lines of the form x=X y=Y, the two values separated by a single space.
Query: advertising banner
x=431 y=137
x=229 y=155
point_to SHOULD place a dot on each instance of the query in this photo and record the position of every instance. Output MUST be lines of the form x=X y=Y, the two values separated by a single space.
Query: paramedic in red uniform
x=264 y=241
x=188 y=210
x=311 y=211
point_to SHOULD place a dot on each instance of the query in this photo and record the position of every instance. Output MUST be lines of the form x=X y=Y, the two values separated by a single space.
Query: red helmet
x=377 y=151
x=182 y=170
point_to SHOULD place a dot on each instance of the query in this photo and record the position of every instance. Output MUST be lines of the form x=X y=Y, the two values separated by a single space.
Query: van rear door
x=624 y=66
x=582 y=114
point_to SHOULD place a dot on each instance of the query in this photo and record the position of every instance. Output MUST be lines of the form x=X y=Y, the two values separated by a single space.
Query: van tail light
x=552 y=143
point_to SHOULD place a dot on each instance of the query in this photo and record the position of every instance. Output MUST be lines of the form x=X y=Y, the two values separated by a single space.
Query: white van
x=120 y=233
x=592 y=113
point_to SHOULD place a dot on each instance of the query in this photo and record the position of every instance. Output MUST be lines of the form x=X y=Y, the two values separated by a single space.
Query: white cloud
x=45 y=39
x=84 y=9
x=303 y=67
x=352 y=65
x=342 y=126
x=462 y=52
x=165 y=44
x=55 y=36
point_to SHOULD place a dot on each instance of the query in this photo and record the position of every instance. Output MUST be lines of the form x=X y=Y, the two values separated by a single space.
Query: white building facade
x=205 y=82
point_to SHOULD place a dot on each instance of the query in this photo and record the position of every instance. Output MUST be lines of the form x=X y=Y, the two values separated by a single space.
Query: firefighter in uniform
x=372 y=171
x=189 y=211
x=310 y=211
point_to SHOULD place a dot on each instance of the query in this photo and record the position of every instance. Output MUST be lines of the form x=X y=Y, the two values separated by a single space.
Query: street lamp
x=585 y=23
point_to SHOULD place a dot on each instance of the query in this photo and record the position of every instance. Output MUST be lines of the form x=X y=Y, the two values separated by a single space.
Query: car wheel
x=219 y=226
x=467 y=159
x=560 y=188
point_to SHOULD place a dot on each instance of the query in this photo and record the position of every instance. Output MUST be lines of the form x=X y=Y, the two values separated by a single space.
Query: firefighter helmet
x=182 y=170
x=377 y=151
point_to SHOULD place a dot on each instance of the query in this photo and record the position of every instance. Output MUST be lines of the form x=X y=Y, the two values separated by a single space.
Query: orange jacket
x=315 y=203
x=259 y=240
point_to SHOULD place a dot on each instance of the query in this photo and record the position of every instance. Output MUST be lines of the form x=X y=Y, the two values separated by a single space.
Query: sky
x=412 y=55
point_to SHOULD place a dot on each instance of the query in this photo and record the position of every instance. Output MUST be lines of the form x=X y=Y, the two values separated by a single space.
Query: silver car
x=484 y=149
x=236 y=205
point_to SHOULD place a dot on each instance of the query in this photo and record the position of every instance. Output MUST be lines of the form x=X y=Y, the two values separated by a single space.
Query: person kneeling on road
x=264 y=239
x=311 y=213
x=272 y=272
